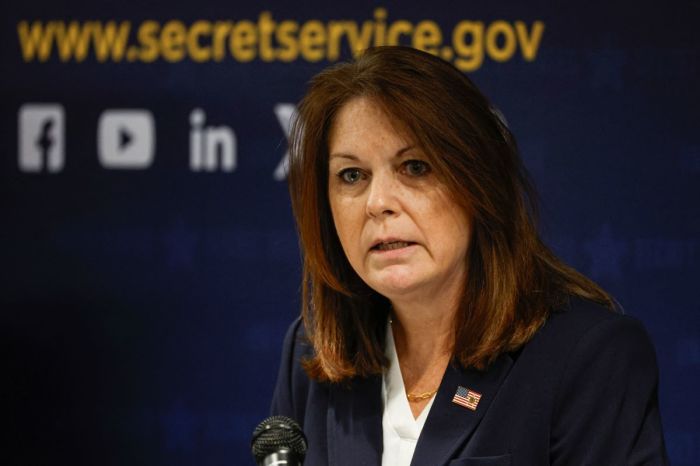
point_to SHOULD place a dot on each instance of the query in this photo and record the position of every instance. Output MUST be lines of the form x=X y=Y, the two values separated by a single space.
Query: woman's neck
x=424 y=341
x=421 y=335
x=423 y=331
x=423 y=324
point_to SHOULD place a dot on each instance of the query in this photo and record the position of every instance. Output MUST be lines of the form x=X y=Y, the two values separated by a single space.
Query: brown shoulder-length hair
x=513 y=281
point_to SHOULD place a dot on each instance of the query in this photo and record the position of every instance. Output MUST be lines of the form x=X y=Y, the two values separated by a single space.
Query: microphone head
x=278 y=432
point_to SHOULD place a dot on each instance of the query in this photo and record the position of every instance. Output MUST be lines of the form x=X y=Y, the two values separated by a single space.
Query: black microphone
x=278 y=440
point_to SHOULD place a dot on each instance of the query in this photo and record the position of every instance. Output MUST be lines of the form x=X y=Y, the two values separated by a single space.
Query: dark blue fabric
x=583 y=391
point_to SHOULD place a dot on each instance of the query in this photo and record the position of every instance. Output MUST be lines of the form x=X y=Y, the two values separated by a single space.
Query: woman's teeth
x=392 y=245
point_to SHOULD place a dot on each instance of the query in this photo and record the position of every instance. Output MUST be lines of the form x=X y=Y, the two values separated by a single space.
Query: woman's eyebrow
x=402 y=152
x=343 y=155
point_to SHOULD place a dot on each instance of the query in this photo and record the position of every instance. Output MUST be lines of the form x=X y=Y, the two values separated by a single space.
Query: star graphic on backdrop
x=605 y=253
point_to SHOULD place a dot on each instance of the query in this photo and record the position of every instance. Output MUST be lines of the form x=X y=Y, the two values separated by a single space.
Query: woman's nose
x=382 y=197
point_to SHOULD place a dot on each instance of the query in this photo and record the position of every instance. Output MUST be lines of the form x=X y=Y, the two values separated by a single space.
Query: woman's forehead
x=365 y=116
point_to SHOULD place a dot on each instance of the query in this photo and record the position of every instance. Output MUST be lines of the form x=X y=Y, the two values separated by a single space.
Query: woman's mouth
x=391 y=245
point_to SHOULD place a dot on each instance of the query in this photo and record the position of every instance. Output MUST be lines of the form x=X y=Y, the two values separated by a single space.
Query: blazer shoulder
x=290 y=393
x=580 y=316
x=608 y=379
x=587 y=328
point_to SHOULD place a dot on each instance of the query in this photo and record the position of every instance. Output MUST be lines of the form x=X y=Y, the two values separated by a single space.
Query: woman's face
x=399 y=227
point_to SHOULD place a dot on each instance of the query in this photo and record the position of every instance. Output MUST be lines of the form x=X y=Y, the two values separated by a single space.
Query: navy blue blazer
x=583 y=391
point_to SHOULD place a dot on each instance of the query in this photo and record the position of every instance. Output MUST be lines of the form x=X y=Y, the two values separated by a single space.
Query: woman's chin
x=396 y=287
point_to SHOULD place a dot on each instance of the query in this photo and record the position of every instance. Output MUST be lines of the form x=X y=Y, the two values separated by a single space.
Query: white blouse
x=401 y=430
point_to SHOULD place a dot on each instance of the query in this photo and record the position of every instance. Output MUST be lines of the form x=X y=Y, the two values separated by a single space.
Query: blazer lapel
x=450 y=425
x=354 y=423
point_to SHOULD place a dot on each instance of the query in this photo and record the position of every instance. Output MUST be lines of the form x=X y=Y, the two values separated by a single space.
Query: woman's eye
x=416 y=167
x=350 y=175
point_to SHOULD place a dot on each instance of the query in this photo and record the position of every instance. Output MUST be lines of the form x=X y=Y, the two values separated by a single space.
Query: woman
x=437 y=328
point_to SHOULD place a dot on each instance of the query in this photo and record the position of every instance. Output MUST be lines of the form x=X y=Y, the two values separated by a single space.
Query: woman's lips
x=391 y=245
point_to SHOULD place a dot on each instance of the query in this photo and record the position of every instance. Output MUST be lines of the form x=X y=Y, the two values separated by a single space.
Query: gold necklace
x=412 y=397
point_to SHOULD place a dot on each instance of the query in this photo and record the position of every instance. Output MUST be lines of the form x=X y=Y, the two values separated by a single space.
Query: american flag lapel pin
x=466 y=397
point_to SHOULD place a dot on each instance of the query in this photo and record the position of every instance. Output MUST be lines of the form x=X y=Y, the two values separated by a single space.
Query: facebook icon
x=41 y=131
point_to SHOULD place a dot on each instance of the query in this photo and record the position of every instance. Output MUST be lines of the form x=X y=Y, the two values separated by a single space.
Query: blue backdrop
x=149 y=260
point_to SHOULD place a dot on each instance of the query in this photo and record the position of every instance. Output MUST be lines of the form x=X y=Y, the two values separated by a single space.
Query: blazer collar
x=450 y=425
x=354 y=418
